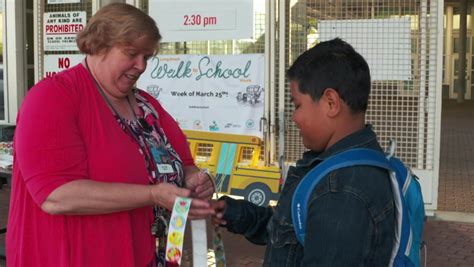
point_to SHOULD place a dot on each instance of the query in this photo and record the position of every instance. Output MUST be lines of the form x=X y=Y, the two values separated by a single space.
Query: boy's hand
x=219 y=209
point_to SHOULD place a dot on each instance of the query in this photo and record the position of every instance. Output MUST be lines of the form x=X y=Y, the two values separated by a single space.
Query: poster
x=60 y=29
x=223 y=94
x=57 y=63
x=203 y=20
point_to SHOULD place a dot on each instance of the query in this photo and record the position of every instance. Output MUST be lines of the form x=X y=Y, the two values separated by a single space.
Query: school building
x=413 y=48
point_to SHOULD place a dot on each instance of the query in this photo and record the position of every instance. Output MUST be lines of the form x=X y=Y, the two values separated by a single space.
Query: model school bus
x=234 y=161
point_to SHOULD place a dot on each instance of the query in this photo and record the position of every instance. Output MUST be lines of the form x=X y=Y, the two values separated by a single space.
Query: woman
x=97 y=162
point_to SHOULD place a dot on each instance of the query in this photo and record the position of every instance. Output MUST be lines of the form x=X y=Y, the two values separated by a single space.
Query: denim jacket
x=351 y=219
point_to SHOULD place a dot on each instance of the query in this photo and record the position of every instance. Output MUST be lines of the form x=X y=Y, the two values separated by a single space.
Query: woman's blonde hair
x=117 y=24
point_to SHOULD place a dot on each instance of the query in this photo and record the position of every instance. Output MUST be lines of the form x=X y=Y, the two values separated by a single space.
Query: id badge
x=164 y=168
x=162 y=160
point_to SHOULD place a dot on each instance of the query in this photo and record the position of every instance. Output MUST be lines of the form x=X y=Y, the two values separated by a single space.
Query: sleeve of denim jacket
x=338 y=230
x=247 y=219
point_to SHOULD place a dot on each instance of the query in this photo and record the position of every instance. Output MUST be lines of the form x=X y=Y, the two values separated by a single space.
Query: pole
x=462 y=51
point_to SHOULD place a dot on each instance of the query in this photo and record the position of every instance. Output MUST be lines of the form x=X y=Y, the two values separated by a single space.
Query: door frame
x=452 y=82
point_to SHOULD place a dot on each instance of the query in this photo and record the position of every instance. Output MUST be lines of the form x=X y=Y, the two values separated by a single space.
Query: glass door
x=2 y=58
x=456 y=77
x=29 y=46
x=454 y=83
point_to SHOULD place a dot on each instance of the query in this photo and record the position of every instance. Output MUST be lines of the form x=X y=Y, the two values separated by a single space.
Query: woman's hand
x=164 y=195
x=200 y=184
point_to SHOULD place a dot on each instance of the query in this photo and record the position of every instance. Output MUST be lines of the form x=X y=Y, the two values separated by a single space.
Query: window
x=2 y=59
x=204 y=152
x=246 y=154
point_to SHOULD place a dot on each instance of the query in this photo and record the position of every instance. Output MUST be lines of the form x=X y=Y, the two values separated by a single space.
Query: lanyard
x=137 y=134
x=160 y=225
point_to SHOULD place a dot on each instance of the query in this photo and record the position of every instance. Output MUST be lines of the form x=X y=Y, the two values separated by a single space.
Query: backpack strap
x=401 y=178
x=348 y=158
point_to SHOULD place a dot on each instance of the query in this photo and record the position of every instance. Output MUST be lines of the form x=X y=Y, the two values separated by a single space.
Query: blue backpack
x=409 y=206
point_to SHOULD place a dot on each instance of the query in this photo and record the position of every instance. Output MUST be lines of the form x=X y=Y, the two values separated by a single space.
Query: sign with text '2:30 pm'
x=218 y=93
x=203 y=20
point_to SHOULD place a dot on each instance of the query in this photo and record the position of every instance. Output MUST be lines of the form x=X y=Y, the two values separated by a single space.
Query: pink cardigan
x=65 y=131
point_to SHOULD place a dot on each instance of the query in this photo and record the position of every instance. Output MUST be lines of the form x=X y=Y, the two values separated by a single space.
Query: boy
x=351 y=219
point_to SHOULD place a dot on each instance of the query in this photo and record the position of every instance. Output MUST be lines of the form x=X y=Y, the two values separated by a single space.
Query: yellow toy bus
x=234 y=161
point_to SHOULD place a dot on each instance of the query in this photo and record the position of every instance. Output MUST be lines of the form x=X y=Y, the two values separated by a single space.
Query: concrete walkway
x=448 y=243
x=456 y=177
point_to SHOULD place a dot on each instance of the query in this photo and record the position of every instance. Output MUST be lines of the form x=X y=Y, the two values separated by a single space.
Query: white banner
x=60 y=29
x=203 y=20
x=209 y=93
x=56 y=63
x=384 y=43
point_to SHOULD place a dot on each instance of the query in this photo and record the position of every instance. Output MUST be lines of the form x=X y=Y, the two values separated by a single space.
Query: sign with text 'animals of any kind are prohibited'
x=60 y=30
x=203 y=20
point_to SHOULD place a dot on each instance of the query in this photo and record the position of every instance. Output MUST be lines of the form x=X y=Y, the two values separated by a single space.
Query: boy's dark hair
x=333 y=64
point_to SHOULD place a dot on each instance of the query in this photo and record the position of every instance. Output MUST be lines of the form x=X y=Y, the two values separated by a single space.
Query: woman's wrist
x=210 y=177
x=150 y=195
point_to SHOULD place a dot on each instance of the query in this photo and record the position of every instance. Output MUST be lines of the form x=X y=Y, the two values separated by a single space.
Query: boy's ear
x=333 y=102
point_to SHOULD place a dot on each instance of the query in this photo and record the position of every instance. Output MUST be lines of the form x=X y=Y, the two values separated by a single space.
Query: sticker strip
x=200 y=238
x=217 y=242
x=174 y=244
x=218 y=245
x=199 y=242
